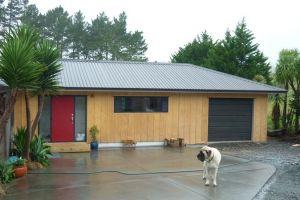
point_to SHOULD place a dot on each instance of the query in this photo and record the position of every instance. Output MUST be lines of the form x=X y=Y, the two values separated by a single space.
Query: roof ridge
x=123 y=61
x=231 y=75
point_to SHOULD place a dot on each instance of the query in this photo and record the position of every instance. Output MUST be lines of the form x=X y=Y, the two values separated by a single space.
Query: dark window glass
x=80 y=118
x=141 y=104
x=45 y=120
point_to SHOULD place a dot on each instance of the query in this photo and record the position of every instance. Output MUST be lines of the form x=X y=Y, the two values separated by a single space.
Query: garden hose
x=131 y=174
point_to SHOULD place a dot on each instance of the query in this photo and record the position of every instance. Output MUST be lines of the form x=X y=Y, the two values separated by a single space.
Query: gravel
x=285 y=183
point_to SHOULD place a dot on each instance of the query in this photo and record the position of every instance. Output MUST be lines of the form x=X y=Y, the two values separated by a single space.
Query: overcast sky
x=170 y=24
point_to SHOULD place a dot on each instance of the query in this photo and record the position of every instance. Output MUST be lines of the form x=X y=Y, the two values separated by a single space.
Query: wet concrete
x=238 y=178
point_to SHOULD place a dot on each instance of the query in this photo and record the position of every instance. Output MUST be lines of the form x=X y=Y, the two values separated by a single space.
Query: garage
x=230 y=119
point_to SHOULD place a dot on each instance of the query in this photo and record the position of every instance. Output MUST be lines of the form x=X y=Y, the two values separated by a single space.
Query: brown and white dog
x=211 y=158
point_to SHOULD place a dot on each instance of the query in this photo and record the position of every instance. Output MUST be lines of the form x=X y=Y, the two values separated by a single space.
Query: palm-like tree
x=288 y=74
x=48 y=56
x=18 y=69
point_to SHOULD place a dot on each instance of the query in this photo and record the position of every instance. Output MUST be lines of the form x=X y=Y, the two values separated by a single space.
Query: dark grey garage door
x=230 y=119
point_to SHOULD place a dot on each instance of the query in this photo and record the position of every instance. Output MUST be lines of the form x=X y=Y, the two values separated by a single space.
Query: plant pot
x=20 y=171
x=94 y=145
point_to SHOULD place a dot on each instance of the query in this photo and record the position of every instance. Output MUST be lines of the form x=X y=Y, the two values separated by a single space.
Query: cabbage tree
x=18 y=68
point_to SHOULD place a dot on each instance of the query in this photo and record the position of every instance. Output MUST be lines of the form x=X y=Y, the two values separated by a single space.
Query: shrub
x=94 y=131
x=39 y=151
x=19 y=142
x=6 y=172
x=16 y=161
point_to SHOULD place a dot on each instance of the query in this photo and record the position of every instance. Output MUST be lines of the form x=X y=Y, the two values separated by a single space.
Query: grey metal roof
x=120 y=75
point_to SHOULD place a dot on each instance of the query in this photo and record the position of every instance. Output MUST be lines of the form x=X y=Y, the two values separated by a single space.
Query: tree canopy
x=236 y=54
x=195 y=52
x=101 y=39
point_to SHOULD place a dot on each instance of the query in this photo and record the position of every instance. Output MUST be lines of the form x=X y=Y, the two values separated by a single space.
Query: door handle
x=72 y=118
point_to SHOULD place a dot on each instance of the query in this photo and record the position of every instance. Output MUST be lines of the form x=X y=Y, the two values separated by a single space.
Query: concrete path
x=82 y=176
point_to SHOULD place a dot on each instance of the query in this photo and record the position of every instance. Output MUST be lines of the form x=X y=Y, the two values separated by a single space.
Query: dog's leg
x=215 y=177
x=207 y=178
x=204 y=171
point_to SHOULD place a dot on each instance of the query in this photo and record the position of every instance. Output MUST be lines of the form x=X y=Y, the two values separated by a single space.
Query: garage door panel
x=235 y=130
x=237 y=101
x=227 y=119
x=240 y=109
x=230 y=119
x=229 y=124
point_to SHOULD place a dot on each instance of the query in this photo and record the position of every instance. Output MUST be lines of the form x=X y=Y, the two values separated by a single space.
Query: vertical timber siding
x=187 y=117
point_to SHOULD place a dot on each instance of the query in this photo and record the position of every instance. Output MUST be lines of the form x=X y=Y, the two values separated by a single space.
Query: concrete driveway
x=143 y=173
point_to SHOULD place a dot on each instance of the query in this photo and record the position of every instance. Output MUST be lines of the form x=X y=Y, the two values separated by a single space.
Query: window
x=80 y=118
x=141 y=104
x=45 y=120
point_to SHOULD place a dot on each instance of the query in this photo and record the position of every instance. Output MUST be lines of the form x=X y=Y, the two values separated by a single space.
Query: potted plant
x=94 y=131
x=19 y=166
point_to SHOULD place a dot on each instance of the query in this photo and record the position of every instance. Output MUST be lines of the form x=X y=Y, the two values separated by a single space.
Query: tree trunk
x=28 y=127
x=38 y=114
x=9 y=106
x=284 y=110
x=297 y=99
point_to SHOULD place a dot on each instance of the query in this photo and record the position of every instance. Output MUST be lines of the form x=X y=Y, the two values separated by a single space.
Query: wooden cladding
x=187 y=117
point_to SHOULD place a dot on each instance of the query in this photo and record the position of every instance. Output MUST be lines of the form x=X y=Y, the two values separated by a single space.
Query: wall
x=187 y=117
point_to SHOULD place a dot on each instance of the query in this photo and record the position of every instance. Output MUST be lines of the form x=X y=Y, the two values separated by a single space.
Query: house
x=148 y=102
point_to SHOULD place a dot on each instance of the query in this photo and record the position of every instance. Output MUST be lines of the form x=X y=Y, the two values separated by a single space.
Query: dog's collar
x=211 y=158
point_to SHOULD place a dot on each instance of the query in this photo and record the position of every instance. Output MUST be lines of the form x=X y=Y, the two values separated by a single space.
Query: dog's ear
x=208 y=152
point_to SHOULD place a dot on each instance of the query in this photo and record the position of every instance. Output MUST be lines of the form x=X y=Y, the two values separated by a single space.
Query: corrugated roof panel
x=80 y=74
x=85 y=74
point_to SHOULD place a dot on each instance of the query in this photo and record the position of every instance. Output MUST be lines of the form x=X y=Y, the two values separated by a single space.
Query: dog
x=211 y=158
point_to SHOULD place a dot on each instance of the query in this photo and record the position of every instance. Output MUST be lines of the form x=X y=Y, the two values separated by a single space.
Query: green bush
x=39 y=151
x=94 y=131
x=19 y=142
x=6 y=172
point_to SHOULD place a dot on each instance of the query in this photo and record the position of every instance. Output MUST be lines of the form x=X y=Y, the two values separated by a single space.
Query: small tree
x=94 y=131
x=288 y=74
x=47 y=55
x=18 y=70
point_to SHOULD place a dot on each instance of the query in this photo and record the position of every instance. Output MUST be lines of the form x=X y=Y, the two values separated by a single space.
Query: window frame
x=126 y=112
x=86 y=113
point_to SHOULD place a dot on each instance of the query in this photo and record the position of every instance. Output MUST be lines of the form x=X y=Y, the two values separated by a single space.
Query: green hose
x=133 y=174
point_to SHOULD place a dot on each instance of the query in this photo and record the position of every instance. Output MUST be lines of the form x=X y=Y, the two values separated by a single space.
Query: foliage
x=19 y=141
x=237 y=54
x=47 y=55
x=56 y=23
x=17 y=66
x=195 y=52
x=16 y=161
x=32 y=17
x=13 y=13
x=259 y=78
x=6 y=172
x=94 y=131
x=276 y=110
x=39 y=151
x=288 y=74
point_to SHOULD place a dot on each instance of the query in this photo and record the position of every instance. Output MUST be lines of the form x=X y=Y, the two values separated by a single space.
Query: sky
x=170 y=24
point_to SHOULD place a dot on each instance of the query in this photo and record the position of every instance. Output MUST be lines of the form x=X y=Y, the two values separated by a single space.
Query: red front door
x=62 y=123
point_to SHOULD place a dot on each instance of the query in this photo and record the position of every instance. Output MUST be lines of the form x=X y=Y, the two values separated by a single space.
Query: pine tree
x=101 y=35
x=195 y=52
x=2 y=19
x=32 y=17
x=77 y=36
x=238 y=54
x=14 y=12
x=56 y=28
